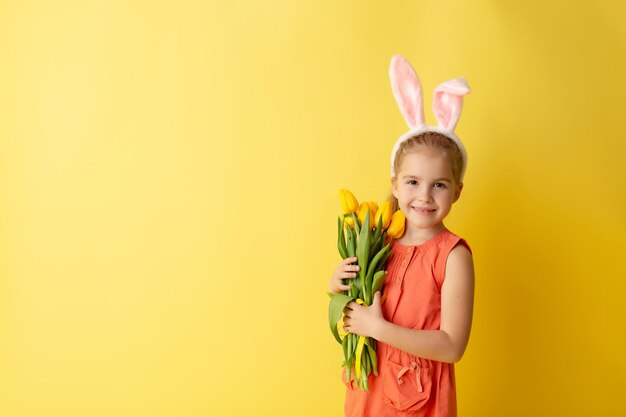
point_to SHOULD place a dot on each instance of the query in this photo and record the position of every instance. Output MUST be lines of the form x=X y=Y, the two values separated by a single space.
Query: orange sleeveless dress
x=406 y=384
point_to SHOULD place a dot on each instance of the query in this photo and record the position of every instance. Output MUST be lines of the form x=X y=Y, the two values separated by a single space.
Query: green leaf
x=357 y=223
x=341 y=240
x=376 y=260
x=375 y=246
x=379 y=228
x=369 y=279
x=364 y=384
x=356 y=284
x=351 y=247
x=350 y=347
x=335 y=308
x=379 y=280
x=372 y=352
x=362 y=251
x=387 y=255
x=344 y=346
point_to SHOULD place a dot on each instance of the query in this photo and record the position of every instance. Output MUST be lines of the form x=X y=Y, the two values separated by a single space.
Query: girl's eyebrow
x=418 y=178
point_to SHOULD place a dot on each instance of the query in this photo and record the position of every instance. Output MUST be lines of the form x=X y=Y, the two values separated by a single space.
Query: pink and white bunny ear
x=407 y=91
x=448 y=102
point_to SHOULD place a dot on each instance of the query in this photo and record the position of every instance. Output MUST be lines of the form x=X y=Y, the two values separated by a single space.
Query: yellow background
x=168 y=180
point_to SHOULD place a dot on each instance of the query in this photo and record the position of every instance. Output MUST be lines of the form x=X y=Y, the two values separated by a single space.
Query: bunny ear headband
x=447 y=105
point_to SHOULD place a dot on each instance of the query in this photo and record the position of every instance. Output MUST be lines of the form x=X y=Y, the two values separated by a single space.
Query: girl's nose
x=424 y=195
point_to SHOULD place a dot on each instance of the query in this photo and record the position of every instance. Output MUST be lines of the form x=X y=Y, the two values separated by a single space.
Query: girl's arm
x=444 y=345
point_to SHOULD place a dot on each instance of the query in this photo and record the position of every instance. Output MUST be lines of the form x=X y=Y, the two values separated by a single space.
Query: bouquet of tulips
x=364 y=231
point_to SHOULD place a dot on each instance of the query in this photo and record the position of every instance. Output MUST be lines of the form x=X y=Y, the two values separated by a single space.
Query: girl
x=423 y=323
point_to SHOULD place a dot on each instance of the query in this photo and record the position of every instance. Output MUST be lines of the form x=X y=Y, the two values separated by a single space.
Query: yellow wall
x=168 y=182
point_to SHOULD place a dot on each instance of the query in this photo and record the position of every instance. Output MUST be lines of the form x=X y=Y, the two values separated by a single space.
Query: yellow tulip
x=349 y=202
x=372 y=207
x=385 y=213
x=373 y=211
x=396 y=228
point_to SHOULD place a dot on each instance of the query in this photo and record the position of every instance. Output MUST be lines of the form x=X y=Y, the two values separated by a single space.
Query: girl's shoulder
x=459 y=244
x=455 y=256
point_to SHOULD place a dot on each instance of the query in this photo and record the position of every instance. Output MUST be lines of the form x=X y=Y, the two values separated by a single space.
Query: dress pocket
x=407 y=386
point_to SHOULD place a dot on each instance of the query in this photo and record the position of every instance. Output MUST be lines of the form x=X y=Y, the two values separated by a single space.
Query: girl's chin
x=423 y=226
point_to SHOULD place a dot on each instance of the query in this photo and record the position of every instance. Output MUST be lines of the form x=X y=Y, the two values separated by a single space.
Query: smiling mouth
x=422 y=210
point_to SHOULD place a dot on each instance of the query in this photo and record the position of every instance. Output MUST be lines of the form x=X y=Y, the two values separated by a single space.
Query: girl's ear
x=457 y=192
x=448 y=102
x=394 y=187
x=407 y=91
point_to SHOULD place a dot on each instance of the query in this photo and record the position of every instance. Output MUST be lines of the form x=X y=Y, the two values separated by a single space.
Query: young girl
x=423 y=323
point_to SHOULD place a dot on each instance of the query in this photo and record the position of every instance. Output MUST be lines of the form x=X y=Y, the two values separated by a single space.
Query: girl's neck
x=416 y=237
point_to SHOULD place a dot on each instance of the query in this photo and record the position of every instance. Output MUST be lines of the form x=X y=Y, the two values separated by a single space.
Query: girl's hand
x=364 y=321
x=343 y=271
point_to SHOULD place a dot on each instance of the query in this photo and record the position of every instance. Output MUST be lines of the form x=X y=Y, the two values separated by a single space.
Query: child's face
x=425 y=188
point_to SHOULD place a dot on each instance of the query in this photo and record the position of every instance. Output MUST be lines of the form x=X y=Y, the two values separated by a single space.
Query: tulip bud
x=373 y=211
x=349 y=203
x=396 y=228
x=348 y=221
x=363 y=210
x=385 y=213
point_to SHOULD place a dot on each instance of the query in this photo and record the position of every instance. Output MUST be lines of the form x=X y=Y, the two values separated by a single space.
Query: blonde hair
x=432 y=140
